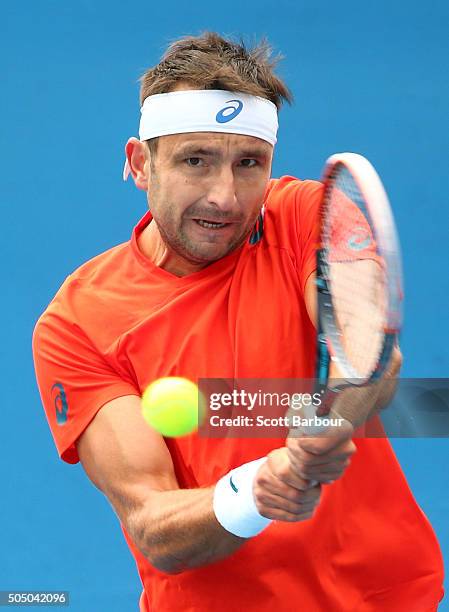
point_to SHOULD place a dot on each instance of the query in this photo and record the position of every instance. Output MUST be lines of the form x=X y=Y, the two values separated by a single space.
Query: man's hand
x=359 y=404
x=281 y=493
x=322 y=459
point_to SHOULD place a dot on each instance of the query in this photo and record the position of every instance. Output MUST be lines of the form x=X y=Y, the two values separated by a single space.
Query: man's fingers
x=280 y=493
x=278 y=501
x=326 y=477
x=266 y=501
x=322 y=467
x=279 y=466
x=395 y=363
x=319 y=451
x=304 y=459
x=275 y=514
x=284 y=491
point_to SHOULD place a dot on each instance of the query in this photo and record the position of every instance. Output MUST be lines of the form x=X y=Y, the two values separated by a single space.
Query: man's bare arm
x=175 y=529
x=130 y=463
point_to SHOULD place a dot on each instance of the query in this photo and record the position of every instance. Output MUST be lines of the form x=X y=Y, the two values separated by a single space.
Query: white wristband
x=234 y=504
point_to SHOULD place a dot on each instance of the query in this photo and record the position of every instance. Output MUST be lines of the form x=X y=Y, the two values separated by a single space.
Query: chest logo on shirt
x=228 y=113
x=60 y=402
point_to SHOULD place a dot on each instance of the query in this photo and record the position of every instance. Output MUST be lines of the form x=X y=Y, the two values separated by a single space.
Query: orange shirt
x=120 y=322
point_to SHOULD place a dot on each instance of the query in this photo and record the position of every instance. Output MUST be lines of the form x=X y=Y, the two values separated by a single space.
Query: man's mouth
x=210 y=224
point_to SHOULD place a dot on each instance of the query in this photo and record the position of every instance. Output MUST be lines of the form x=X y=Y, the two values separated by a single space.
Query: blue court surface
x=367 y=77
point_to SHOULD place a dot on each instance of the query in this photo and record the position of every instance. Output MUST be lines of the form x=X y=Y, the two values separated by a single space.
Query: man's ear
x=138 y=158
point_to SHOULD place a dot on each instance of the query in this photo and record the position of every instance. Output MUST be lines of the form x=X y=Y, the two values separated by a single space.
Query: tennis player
x=217 y=281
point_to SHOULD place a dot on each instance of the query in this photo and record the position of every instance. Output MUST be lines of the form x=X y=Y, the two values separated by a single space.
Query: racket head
x=359 y=276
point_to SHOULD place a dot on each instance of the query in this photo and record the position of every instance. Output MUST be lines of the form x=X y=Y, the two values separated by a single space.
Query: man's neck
x=150 y=243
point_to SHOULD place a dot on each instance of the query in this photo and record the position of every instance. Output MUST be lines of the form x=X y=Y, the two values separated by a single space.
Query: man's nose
x=222 y=190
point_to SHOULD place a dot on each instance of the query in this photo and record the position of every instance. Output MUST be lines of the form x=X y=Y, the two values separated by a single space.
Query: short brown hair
x=210 y=61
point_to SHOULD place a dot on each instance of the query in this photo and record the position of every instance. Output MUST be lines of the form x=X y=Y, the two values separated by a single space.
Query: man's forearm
x=359 y=404
x=177 y=530
x=389 y=381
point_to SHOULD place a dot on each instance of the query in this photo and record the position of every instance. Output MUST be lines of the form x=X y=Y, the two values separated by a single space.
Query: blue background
x=369 y=79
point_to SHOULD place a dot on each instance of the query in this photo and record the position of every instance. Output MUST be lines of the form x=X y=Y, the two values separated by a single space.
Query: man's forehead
x=203 y=140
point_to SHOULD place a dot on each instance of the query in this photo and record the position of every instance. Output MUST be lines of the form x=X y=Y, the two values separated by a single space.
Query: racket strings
x=356 y=276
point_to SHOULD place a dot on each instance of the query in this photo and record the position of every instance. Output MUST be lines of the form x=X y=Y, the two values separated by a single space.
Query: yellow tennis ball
x=173 y=406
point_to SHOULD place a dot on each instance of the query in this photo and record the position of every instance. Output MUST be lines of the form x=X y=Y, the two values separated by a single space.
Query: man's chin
x=208 y=253
x=208 y=256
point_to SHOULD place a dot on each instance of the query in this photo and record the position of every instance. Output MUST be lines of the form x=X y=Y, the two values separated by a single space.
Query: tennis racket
x=358 y=277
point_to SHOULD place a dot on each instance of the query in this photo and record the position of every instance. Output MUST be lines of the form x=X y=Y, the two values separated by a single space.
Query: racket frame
x=329 y=346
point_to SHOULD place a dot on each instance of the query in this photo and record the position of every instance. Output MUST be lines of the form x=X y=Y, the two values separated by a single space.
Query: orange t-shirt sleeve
x=297 y=204
x=352 y=235
x=308 y=200
x=74 y=379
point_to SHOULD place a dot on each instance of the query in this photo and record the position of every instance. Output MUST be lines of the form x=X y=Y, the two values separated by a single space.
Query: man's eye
x=248 y=163
x=194 y=161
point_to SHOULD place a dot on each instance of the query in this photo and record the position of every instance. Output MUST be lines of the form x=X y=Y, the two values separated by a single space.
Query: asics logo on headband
x=223 y=116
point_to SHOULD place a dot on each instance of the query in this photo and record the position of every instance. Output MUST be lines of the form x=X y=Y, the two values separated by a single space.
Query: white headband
x=207 y=110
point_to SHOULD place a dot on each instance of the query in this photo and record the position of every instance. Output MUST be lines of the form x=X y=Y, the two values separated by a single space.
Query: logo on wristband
x=233 y=487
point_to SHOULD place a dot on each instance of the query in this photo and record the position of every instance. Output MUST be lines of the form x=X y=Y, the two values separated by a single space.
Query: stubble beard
x=184 y=246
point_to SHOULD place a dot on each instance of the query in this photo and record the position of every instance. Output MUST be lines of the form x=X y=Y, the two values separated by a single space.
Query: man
x=216 y=281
